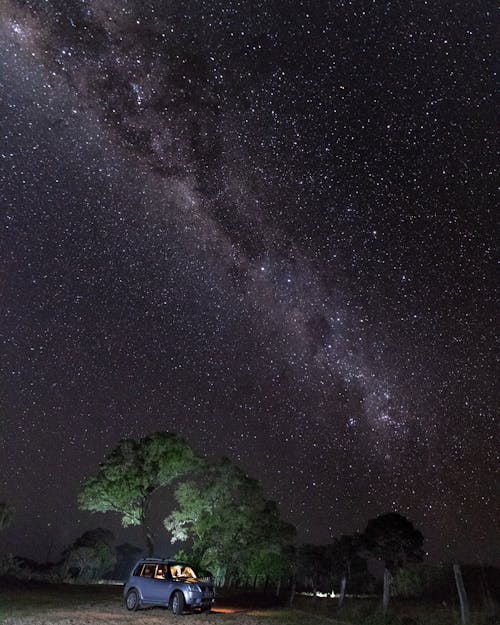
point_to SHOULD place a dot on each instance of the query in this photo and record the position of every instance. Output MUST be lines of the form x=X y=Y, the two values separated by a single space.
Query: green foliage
x=132 y=472
x=418 y=579
x=6 y=514
x=233 y=529
x=393 y=539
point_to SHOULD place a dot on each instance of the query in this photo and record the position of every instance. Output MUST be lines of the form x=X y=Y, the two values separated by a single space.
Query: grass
x=20 y=598
x=295 y=617
x=30 y=598
x=401 y=612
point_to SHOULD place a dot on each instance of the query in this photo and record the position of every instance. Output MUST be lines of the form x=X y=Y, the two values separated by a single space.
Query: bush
x=11 y=566
x=418 y=579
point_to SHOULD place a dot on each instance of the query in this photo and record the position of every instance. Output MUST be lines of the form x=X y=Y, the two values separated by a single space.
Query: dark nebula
x=268 y=226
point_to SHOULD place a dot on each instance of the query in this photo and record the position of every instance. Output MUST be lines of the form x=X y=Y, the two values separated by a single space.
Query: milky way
x=268 y=227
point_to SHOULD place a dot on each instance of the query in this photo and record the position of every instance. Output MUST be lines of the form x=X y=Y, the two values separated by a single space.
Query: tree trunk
x=462 y=595
x=292 y=591
x=148 y=539
x=278 y=588
x=147 y=532
x=343 y=584
x=387 y=589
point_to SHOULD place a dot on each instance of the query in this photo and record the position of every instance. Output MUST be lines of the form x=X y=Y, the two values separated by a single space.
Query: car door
x=147 y=585
x=160 y=585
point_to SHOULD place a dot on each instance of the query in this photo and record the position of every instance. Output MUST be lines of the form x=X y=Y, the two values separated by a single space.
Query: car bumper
x=200 y=600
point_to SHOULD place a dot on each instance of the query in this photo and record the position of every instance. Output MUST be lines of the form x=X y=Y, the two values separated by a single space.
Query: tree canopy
x=392 y=538
x=234 y=530
x=133 y=471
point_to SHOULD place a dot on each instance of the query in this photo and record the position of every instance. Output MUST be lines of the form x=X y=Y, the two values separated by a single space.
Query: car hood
x=203 y=585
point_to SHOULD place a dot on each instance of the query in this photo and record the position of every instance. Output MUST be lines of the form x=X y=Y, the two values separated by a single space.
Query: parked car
x=165 y=582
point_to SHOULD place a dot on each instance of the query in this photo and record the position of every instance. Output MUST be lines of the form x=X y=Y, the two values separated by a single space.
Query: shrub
x=10 y=566
x=418 y=579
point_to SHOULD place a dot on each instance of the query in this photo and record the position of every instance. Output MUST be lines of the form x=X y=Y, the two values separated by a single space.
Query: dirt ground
x=30 y=603
x=113 y=614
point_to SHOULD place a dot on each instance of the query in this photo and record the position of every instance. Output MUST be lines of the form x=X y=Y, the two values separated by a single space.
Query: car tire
x=177 y=602
x=132 y=600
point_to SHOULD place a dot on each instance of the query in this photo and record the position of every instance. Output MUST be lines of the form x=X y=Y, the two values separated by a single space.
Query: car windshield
x=182 y=571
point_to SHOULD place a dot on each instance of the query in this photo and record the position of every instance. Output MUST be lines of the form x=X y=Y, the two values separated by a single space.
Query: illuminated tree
x=233 y=529
x=132 y=473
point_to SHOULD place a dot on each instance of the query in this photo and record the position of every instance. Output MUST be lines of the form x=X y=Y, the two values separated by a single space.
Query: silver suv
x=168 y=583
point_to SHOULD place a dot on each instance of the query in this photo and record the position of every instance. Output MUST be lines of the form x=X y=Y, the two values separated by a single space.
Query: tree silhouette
x=393 y=539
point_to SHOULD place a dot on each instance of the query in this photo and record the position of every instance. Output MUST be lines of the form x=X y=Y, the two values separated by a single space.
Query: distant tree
x=393 y=539
x=132 y=472
x=233 y=529
x=267 y=555
x=325 y=567
x=6 y=514
x=345 y=550
x=126 y=556
x=91 y=556
x=313 y=567
x=345 y=559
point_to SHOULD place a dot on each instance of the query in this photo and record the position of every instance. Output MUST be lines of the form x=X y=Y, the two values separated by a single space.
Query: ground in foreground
x=62 y=604
x=24 y=603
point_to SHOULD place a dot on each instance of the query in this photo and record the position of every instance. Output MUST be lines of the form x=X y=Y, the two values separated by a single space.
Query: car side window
x=137 y=571
x=148 y=570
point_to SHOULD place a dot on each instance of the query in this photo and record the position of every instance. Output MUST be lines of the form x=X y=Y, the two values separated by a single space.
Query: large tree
x=233 y=529
x=6 y=514
x=393 y=539
x=133 y=471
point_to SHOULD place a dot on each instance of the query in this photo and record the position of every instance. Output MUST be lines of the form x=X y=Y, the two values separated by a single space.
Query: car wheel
x=178 y=603
x=132 y=600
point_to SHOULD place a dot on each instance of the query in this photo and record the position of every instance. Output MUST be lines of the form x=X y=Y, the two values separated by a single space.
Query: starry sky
x=268 y=226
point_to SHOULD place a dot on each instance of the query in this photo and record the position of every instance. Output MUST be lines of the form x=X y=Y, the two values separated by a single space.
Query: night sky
x=267 y=226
